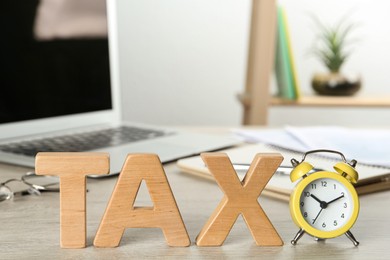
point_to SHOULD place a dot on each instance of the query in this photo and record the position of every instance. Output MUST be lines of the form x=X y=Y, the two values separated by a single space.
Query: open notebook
x=371 y=179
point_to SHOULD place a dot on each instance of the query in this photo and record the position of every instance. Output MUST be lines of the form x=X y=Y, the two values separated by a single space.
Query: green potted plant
x=332 y=53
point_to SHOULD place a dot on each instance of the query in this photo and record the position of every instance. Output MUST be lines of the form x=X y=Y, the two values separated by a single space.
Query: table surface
x=29 y=226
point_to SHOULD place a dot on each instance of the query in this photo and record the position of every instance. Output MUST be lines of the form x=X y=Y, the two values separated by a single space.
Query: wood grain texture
x=332 y=101
x=72 y=168
x=240 y=198
x=260 y=61
x=121 y=212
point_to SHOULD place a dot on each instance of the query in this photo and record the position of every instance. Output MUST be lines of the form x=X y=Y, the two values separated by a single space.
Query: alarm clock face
x=326 y=204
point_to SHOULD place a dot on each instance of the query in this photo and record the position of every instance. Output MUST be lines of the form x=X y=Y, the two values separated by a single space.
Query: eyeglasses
x=35 y=185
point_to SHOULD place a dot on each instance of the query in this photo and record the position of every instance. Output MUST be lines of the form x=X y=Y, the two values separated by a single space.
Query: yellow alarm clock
x=324 y=204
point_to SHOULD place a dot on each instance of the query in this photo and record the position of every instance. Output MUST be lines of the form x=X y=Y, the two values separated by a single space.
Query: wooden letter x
x=240 y=198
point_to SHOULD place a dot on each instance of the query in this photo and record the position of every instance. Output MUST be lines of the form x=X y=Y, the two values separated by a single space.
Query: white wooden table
x=29 y=226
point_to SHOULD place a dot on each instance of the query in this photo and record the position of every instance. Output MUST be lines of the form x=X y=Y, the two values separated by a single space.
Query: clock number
x=342 y=215
x=334 y=186
x=305 y=214
x=302 y=203
x=306 y=193
x=335 y=223
x=324 y=183
x=324 y=225
x=313 y=186
x=345 y=204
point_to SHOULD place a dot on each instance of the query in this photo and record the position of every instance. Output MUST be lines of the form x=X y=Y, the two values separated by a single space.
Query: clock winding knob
x=300 y=170
x=347 y=171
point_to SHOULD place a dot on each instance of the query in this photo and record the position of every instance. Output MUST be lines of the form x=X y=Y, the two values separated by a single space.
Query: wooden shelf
x=255 y=99
x=333 y=101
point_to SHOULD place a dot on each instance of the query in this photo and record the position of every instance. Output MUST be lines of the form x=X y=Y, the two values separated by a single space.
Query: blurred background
x=187 y=60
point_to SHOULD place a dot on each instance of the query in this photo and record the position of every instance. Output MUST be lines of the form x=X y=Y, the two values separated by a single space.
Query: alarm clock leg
x=352 y=238
x=297 y=236
x=319 y=239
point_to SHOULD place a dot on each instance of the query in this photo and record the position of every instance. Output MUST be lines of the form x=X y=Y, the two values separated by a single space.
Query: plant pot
x=335 y=84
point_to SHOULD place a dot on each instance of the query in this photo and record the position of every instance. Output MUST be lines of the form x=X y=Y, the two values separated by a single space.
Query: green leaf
x=331 y=50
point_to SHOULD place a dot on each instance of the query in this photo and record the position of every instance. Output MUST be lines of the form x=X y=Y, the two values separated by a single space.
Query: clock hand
x=317 y=215
x=314 y=197
x=323 y=204
x=335 y=199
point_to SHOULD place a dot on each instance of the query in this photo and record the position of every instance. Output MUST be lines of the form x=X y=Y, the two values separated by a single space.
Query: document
x=367 y=146
x=371 y=179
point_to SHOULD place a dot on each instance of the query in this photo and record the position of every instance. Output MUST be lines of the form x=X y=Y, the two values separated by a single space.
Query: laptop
x=61 y=93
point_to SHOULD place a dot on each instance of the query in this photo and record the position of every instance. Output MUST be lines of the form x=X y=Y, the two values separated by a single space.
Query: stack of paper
x=371 y=148
x=367 y=146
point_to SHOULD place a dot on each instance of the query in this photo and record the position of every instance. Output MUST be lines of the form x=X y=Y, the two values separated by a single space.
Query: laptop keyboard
x=82 y=141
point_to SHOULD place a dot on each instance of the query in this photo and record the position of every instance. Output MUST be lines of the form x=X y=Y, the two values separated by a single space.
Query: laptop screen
x=54 y=59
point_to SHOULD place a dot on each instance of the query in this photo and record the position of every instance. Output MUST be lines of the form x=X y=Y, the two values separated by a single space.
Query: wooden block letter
x=240 y=198
x=72 y=169
x=121 y=213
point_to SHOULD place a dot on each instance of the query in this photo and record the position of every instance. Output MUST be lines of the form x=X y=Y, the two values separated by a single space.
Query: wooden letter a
x=121 y=213
x=240 y=198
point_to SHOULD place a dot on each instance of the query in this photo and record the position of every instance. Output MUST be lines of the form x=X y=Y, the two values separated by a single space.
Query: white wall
x=368 y=43
x=370 y=58
x=185 y=60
